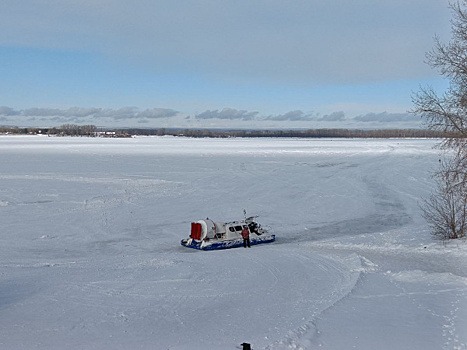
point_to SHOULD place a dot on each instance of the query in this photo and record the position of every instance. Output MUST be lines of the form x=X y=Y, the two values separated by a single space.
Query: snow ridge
x=306 y=335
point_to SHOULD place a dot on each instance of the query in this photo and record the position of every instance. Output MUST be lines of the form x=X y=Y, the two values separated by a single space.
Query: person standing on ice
x=246 y=237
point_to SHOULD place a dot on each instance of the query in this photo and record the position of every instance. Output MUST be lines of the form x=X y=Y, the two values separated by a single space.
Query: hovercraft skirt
x=217 y=245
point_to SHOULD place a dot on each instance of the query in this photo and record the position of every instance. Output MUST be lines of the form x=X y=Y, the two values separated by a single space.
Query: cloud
x=130 y=116
x=227 y=113
x=42 y=112
x=77 y=113
x=333 y=117
x=121 y=113
x=296 y=115
x=386 y=117
x=80 y=112
x=156 y=113
x=7 y=111
x=235 y=114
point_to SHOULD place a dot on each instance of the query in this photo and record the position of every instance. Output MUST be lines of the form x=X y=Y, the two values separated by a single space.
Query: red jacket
x=245 y=233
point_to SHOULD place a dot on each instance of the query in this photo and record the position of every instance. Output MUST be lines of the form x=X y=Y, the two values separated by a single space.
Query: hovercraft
x=209 y=235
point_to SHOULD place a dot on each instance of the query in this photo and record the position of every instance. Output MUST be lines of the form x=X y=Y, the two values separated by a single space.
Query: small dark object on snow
x=246 y=346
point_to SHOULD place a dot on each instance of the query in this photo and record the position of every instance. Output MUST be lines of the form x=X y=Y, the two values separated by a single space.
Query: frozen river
x=90 y=254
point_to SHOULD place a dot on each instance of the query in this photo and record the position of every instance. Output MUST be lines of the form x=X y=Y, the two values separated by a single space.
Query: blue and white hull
x=216 y=244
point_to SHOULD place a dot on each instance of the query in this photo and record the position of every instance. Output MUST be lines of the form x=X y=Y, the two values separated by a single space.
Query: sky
x=213 y=63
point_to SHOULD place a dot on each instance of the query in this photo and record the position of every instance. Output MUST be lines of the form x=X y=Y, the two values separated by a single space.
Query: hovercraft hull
x=225 y=244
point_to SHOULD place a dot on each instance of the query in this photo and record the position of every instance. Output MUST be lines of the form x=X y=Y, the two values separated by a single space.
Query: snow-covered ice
x=90 y=254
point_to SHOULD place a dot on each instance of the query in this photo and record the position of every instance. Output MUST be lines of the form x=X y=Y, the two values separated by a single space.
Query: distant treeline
x=64 y=130
x=93 y=131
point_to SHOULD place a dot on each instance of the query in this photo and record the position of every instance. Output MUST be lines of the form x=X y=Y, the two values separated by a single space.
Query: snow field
x=90 y=255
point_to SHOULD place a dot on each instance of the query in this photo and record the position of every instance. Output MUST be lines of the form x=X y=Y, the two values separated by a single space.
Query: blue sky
x=216 y=63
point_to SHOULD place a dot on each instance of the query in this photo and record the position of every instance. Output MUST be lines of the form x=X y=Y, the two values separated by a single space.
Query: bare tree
x=446 y=210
